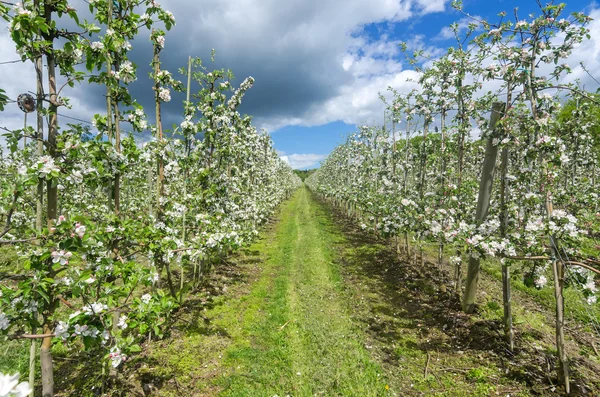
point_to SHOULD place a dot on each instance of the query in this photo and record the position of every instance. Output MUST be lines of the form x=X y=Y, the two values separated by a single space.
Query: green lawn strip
x=304 y=342
x=258 y=359
x=14 y=357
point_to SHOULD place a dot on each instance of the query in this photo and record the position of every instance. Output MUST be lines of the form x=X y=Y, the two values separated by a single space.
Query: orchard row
x=525 y=191
x=107 y=234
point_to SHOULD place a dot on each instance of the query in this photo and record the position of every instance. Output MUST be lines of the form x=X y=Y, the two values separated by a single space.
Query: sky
x=319 y=65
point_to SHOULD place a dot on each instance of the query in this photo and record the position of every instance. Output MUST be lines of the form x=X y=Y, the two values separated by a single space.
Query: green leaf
x=44 y=295
x=135 y=348
x=73 y=15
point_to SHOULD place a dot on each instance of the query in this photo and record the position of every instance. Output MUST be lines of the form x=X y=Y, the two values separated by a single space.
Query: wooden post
x=39 y=210
x=483 y=204
x=563 y=364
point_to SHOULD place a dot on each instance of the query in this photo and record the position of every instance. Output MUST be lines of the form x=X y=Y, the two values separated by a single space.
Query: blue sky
x=318 y=65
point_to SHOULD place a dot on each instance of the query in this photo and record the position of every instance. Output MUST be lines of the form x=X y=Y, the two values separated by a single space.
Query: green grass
x=303 y=342
x=14 y=357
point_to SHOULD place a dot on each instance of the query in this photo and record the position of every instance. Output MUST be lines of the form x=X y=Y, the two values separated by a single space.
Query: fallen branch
x=283 y=326
x=427 y=364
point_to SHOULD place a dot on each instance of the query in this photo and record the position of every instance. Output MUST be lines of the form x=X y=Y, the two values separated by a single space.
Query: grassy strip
x=304 y=343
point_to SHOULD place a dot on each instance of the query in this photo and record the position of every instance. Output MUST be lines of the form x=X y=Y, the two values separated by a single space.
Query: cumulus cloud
x=306 y=55
x=428 y=6
x=303 y=54
x=303 y=161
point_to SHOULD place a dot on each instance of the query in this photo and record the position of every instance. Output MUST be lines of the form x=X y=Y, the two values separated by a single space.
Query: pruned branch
x=25 y=240
x=588 y=267
x=29 y=336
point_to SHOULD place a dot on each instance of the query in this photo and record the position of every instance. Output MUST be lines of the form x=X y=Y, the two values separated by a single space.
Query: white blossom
x=146 y=298
x=97 y=46
x=160 y=40
x=540 y=281
x=61 y=330
x=61 y=257
x=164 y=94
x=122 y=324
x=116 y=357
x=10 y=386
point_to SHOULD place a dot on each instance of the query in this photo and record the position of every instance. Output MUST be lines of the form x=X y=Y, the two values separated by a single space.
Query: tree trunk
x=442 y=181
x=46 y=365
x=462 y=131
x=52 y=130
x=506 y=293
x=506 y=301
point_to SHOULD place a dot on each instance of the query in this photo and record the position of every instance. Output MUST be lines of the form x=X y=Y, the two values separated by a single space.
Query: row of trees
x=527 y=190
x=109 y=234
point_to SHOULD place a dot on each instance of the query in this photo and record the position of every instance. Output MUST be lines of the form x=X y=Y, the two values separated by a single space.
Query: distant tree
x=303 y=174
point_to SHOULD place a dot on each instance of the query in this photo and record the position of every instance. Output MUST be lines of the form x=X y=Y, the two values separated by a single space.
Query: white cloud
x=311 y=60
x=306 y=55
x=587 y=52
x=303 y=161
x=21 y=80
x=463 y=25
x=428 y=6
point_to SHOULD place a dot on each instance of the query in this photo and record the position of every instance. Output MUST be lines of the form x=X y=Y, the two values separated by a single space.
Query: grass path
x=302 y=342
